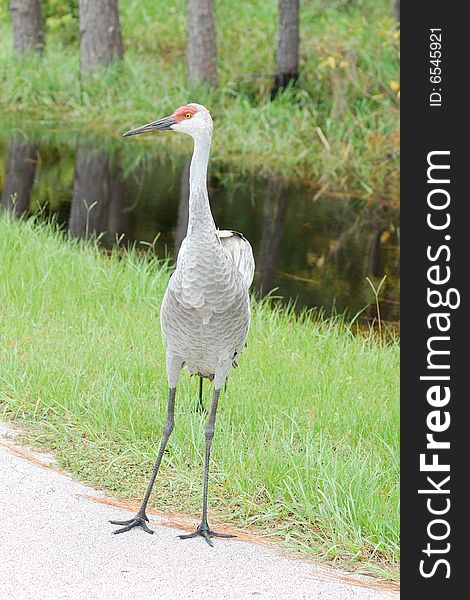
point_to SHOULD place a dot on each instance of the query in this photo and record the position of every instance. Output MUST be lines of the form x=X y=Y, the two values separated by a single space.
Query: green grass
x=306 y=445
x=349 y=58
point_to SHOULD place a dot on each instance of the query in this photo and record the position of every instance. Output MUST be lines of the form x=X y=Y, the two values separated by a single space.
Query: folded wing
x=239 y=250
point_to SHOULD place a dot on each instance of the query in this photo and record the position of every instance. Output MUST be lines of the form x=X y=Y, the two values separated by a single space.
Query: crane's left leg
x=203 y=528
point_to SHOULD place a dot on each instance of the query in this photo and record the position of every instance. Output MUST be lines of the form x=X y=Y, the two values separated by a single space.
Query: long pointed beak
x=160 y=125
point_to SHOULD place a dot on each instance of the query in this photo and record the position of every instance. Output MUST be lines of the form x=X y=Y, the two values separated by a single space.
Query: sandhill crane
x=205 y=313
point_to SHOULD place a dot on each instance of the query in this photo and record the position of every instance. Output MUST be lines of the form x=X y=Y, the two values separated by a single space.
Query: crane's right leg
x=173 y=368
x=140 y=518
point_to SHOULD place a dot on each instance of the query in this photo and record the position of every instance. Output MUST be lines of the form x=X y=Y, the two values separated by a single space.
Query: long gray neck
x=200 y=216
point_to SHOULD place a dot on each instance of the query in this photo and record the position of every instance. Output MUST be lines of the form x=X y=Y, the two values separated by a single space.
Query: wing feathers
x=239 y=250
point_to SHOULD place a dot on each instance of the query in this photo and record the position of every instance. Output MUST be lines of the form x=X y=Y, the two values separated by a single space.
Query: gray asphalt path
x=56 y=543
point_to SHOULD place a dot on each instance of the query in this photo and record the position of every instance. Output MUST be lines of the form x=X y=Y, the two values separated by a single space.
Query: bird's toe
x=207 y=534
x=137 y=521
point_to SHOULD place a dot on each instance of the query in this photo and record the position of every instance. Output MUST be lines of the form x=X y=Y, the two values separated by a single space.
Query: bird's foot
x=200 y=408
x=138 y=521
x=204 y=531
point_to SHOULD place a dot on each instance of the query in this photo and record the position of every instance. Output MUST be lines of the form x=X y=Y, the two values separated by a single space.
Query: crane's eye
x=187 y=115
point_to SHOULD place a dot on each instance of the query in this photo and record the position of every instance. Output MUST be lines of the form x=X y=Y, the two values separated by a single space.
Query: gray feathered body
x=205 y=313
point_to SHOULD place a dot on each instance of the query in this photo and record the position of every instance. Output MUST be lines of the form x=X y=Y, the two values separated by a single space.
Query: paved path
x=56 y=544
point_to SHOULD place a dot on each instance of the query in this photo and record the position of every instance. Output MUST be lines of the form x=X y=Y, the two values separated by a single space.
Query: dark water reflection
x=100 y=197
x=20 y=170
x=317 y=251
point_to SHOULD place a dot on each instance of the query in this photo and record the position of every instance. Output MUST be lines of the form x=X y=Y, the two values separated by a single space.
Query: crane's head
x=192 y=119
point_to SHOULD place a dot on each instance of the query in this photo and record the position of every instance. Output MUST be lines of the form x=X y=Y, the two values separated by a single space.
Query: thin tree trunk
x=28 y=33
x=339 y=89
x=19 y=176
x=202 y=48
x=396 y=9
x=100 y=34
x=287 y=53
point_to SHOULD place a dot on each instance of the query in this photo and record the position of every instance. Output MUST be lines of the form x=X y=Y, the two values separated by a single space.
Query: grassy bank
x=306 y=447
x=338 y=130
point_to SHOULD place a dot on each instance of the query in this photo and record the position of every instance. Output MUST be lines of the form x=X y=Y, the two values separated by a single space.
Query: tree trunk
x=339 y=94
x=28 y=33
x=287 y=53
x=19 y=176
x=202 y=49
x=100 y=34
x=396 y=9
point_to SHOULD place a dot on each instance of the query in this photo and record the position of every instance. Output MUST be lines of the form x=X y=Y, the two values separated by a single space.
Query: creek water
x=316 y=251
